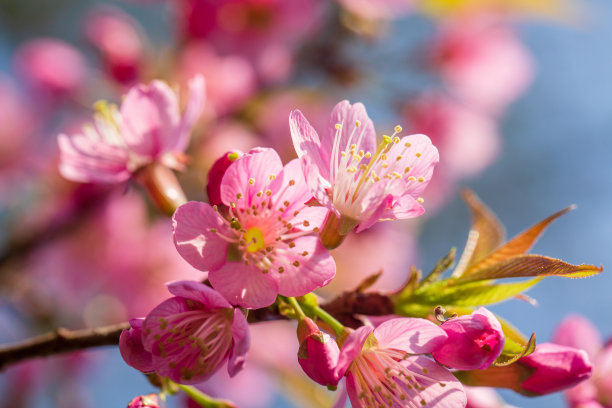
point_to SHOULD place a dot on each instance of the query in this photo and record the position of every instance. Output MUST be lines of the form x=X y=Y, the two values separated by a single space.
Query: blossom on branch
x=146 y=128
x=385 y=366
x=266 y=244
x=361 y=181
x=188 y=336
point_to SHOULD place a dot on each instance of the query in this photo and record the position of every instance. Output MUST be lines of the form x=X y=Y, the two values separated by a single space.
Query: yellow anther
x=233 y=156
x=411 y=178
x=396 y=174
x=252 y=181
x=398 y=129
x=238 y=196
x=343 y=154
x=407 y=144
x=398 y=158
x=418 y=155
x=361 y=153
x=357 y=123
x=353 y=146
x=268 y=193
x=396 y=140
x=407 y=169
x=272 y=177
x=420 y=200
x=421 y=179
x=383 y=157
x=338 y=126
x=368 y=155
x=385 y=165
x=351 y=170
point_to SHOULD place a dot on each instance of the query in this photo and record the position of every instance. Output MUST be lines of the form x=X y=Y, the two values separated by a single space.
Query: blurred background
x=515 y=94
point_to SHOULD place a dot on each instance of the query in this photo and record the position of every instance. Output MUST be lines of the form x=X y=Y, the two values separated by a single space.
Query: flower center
x=254 y=239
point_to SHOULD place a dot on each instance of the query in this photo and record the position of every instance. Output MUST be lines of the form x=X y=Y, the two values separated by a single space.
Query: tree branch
x=60 y=341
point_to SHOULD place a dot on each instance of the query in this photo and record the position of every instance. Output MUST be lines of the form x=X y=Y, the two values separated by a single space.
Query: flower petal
x=412 y=335
x=290 y=187
x=150 y=119
x=576 y=331
x=352 y=348
x=244 y=285
x=347 y=115
x=193 y=238
x=193 y=110
x=249 y=175
x=307 y=143
x=241 y=339
x=307 y=266
x=199 y=292
x=132 y=349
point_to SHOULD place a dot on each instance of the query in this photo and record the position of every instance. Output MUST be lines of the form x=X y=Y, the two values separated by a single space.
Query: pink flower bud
x=555 y=368
x=318 y=354
x=474 y=341
x=144 y=401
x=215 y=175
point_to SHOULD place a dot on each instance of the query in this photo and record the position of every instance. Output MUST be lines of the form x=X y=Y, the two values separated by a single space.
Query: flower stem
x=204 y=400
x=334 y=324
x=164 y=189
x=296 y=306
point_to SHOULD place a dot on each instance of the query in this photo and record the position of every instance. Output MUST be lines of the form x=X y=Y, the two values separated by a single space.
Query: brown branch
x=63 y=340
x=60 y=341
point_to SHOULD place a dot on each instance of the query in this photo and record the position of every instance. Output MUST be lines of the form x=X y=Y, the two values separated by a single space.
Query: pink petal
x=451 y=395
x=150 y=119
x=259 y=167
x=199 y=292
x=195 y=106
x=290 y=186
x=244 y=285
x=406 y=207
x=87 y=160
x=132 y=349
x=203 y=249
x=318 y=186
x=307 y=143
x=347 y=115
x=412 y=335
x=422 y=156
x=352 y=348
x=241 y=339
x=576 y=331
x=314 y=270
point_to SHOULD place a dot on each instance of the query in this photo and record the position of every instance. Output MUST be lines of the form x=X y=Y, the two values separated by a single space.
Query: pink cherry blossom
x=386 y=367
x=474 y=341
x=577 y=331
x=147 y=128
x=188 y=336
x=117 y=37
x=360 y=181
x=144 y=401
x=216 y=173
x=266 y=243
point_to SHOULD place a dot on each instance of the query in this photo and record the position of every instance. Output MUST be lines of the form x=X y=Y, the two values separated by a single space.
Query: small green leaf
x=507 y=359
x=531 y=265
x=468 y=294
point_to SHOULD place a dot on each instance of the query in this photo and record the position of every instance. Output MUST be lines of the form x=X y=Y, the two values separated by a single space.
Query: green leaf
x=531 y=265
x=468 y=294
x=508 y=358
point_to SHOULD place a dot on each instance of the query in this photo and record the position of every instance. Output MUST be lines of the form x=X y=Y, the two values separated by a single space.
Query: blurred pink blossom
x=483 y=397
x=144 y=401
x=230 y=78
x=596 y=392
x=118 y=39
x=269 y=236
x=51 y=66
x=379 y=10
x=482 y=62
x=147 y=128
x=468 y=141
x=360 y=180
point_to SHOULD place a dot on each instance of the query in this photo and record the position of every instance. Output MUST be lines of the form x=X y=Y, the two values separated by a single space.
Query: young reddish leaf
x=531 y=265
x=517 y=245
x=486 y=234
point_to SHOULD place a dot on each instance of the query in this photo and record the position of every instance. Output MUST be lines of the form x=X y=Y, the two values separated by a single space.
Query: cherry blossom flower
x=360 y=181
x=386 y=367
x=147 y=128
x=144 y=401
x=188 y=336
x=596 y=392
x=474 y=341
x=265 y=245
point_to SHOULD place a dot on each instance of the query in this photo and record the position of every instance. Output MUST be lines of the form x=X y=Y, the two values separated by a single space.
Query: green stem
x=296 y=306
x=334 y=324
x=204 y=400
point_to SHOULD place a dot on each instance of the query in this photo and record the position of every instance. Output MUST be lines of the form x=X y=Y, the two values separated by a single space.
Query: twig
x=60 y=341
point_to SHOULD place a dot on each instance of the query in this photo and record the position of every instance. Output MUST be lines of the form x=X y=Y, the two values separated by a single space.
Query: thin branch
x=60 y=341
